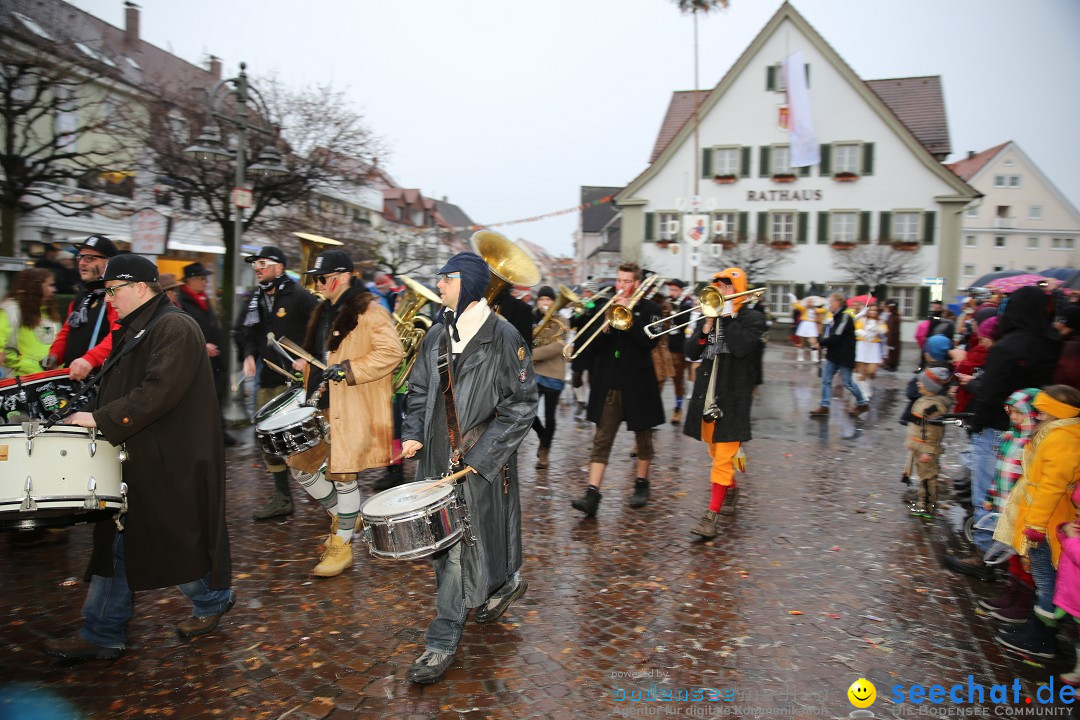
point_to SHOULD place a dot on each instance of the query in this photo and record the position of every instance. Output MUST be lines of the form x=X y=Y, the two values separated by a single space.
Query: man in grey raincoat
x=495 y=396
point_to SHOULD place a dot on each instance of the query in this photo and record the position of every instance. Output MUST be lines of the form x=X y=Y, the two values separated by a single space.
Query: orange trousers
x=722 y=454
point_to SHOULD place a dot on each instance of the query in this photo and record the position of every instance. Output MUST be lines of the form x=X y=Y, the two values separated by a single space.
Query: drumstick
x=278 y=369
x=300 y=352
x=446 y=480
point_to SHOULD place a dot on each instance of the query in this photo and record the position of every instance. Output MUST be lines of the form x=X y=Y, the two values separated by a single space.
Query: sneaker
x=1017 y=609
x=589 y=502
x=1034 y=638
x=279 y=506
x=641 y=494
x=820 y=411
x=202 y=625
x=491 y=613
x=430 y=667
x=859 y=410
x=706 y=526
x=337 y=557
x=972 y=566
x=75 y=648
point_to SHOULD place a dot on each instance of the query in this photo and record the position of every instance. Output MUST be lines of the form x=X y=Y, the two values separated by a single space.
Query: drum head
x=404 y=499
x=290 y=396
x=288 y=418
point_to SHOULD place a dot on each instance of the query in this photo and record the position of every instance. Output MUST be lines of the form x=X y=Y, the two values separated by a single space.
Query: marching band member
x=728 y=350
x=676 y=341
x=86 y=338
x=353 y=333
x=624 y=387
x=281 y=306
x=550 y=367
x=472 y=399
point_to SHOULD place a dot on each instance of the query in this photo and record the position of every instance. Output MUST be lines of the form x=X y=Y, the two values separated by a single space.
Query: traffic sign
x=933 y=281
x=242 y=197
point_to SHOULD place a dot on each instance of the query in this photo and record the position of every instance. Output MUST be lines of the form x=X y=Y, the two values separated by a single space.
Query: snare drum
x=406 y=522
x=291 y=431
x=288 y=400
x=62 y=476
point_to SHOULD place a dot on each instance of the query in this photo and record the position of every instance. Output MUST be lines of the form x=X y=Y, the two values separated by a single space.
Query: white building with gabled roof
x=880 y=179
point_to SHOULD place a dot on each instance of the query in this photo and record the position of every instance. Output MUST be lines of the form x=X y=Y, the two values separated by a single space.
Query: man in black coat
x=676 y=339
x=838 y=340
x=1025 y=356
x=517 y=312
x=157 y=399
x=623 y=388
x=196 y=303
x=281 y=306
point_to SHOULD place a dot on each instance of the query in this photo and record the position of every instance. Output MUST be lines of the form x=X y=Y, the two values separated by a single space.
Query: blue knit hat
x=475 y=278
x=937 y=347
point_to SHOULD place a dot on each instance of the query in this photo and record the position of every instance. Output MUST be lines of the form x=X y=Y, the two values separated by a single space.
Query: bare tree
x=317 y=128
x=62 y=133
x=759 y=260
x=875 y=265
x=404 y=252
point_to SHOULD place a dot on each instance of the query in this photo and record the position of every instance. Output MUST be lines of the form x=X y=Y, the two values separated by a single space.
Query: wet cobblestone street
x=820 y=579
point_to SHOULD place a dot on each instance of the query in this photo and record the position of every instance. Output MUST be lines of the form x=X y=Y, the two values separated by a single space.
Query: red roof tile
x=920 y=105
x=679 y=111
x=971 y=165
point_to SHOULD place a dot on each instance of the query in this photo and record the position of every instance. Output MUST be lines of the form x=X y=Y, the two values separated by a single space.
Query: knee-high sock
x=718 y=493
x=320 y=488
x=348 y=496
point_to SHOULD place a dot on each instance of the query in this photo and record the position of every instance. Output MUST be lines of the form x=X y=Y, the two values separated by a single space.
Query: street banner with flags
x=804 y=146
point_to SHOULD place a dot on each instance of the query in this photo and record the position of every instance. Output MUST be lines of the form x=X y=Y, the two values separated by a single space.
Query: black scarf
x=80 y=314
x=264 y=293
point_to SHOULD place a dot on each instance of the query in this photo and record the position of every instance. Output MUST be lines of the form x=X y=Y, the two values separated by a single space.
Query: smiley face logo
x=862 y=693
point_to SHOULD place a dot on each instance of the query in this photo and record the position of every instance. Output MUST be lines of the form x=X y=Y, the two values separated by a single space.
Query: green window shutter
x=807 y=66
x=928 y=227
x=800 y=288
x=650 y=226
x=861 y=289
x=804 y=171
x=763 y=227
x=825 y=167
x=770 y=77
x=823 y=228
x=868 y=159
x=924 y=303
x=864 y=226
x=744 y=170
x=885 y=226
x=706 y=162
x=763 y=168
x=804 y=226
x=744 y=225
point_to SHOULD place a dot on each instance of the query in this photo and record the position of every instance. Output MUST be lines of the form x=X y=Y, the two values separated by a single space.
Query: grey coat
x=493 y=383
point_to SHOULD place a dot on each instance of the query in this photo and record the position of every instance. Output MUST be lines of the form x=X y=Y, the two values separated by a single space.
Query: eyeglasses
x=449 y=276
x=111 y=291
x=88 y=258
x=262 y=264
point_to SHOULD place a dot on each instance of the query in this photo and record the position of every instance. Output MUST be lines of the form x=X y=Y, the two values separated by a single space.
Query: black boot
x=641 y=493
x=394 y=476
x=589 y=502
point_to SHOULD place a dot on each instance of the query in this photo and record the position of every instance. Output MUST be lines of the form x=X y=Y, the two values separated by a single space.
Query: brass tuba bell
x=310 y=246
x=411 y=326
x=509 y=264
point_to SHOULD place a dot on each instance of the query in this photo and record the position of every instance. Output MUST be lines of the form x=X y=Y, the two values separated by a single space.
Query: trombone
x=710 y=303
x=620 y=317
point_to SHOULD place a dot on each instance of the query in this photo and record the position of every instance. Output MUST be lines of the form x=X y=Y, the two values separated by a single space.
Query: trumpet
x=620 y=317
x=710 y=303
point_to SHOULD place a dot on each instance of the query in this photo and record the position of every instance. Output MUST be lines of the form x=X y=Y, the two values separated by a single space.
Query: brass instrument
x=710 y=303
x=310 y=246
x=551 y=327
x=508 y=263
x=582 y=304
x=620 y=317
x=411 y=326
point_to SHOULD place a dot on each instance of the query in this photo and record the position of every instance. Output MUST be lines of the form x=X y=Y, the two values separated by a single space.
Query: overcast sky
x=507 y=107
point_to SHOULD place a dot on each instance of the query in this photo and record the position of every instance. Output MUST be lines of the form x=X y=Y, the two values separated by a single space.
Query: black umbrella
x=981 y=282
x=1064 y=274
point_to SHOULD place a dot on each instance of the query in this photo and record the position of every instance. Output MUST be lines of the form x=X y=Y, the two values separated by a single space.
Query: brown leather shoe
x=202 y=625
x=859 y=410
x=75 y=648
x=820 y=411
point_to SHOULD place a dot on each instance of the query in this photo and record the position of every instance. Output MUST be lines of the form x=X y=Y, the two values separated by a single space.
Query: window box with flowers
x=662 y=244
x=726 y=244
x=845 y=177
x=842 y=245
x=725 y=179
x=783 y=178
x=781 y=245
x=906 y=245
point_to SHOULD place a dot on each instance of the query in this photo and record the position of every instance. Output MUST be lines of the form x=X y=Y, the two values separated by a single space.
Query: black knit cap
x=546 y=291
x=131 y=267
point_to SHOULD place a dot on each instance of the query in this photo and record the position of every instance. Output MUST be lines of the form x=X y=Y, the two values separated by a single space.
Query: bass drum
x=62 y=476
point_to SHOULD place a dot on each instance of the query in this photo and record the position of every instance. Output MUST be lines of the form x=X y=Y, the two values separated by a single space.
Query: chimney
x=131 y=24
x=215 y=67
x=971 y=154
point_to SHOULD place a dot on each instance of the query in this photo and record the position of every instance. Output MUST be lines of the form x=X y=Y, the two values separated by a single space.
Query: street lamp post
x=208 y=147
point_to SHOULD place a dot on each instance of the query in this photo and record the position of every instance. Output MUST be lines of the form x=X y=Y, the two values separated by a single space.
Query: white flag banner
x=804 y=146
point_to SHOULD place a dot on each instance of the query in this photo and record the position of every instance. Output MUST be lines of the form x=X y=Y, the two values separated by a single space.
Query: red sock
x=718 y=493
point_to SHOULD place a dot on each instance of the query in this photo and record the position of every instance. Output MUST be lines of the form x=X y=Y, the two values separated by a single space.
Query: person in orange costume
x=719 y=410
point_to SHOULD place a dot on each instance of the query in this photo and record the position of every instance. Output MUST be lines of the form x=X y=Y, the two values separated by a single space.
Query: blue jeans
x=827 y=375
x=444 y=632
x=109 y=603
x=984 y=459
x=1045 y=577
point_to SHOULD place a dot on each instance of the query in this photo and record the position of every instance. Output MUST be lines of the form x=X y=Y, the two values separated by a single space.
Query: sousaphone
x=509 y=264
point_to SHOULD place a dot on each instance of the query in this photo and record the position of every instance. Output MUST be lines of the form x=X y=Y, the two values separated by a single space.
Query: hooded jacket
x=1025 y=356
